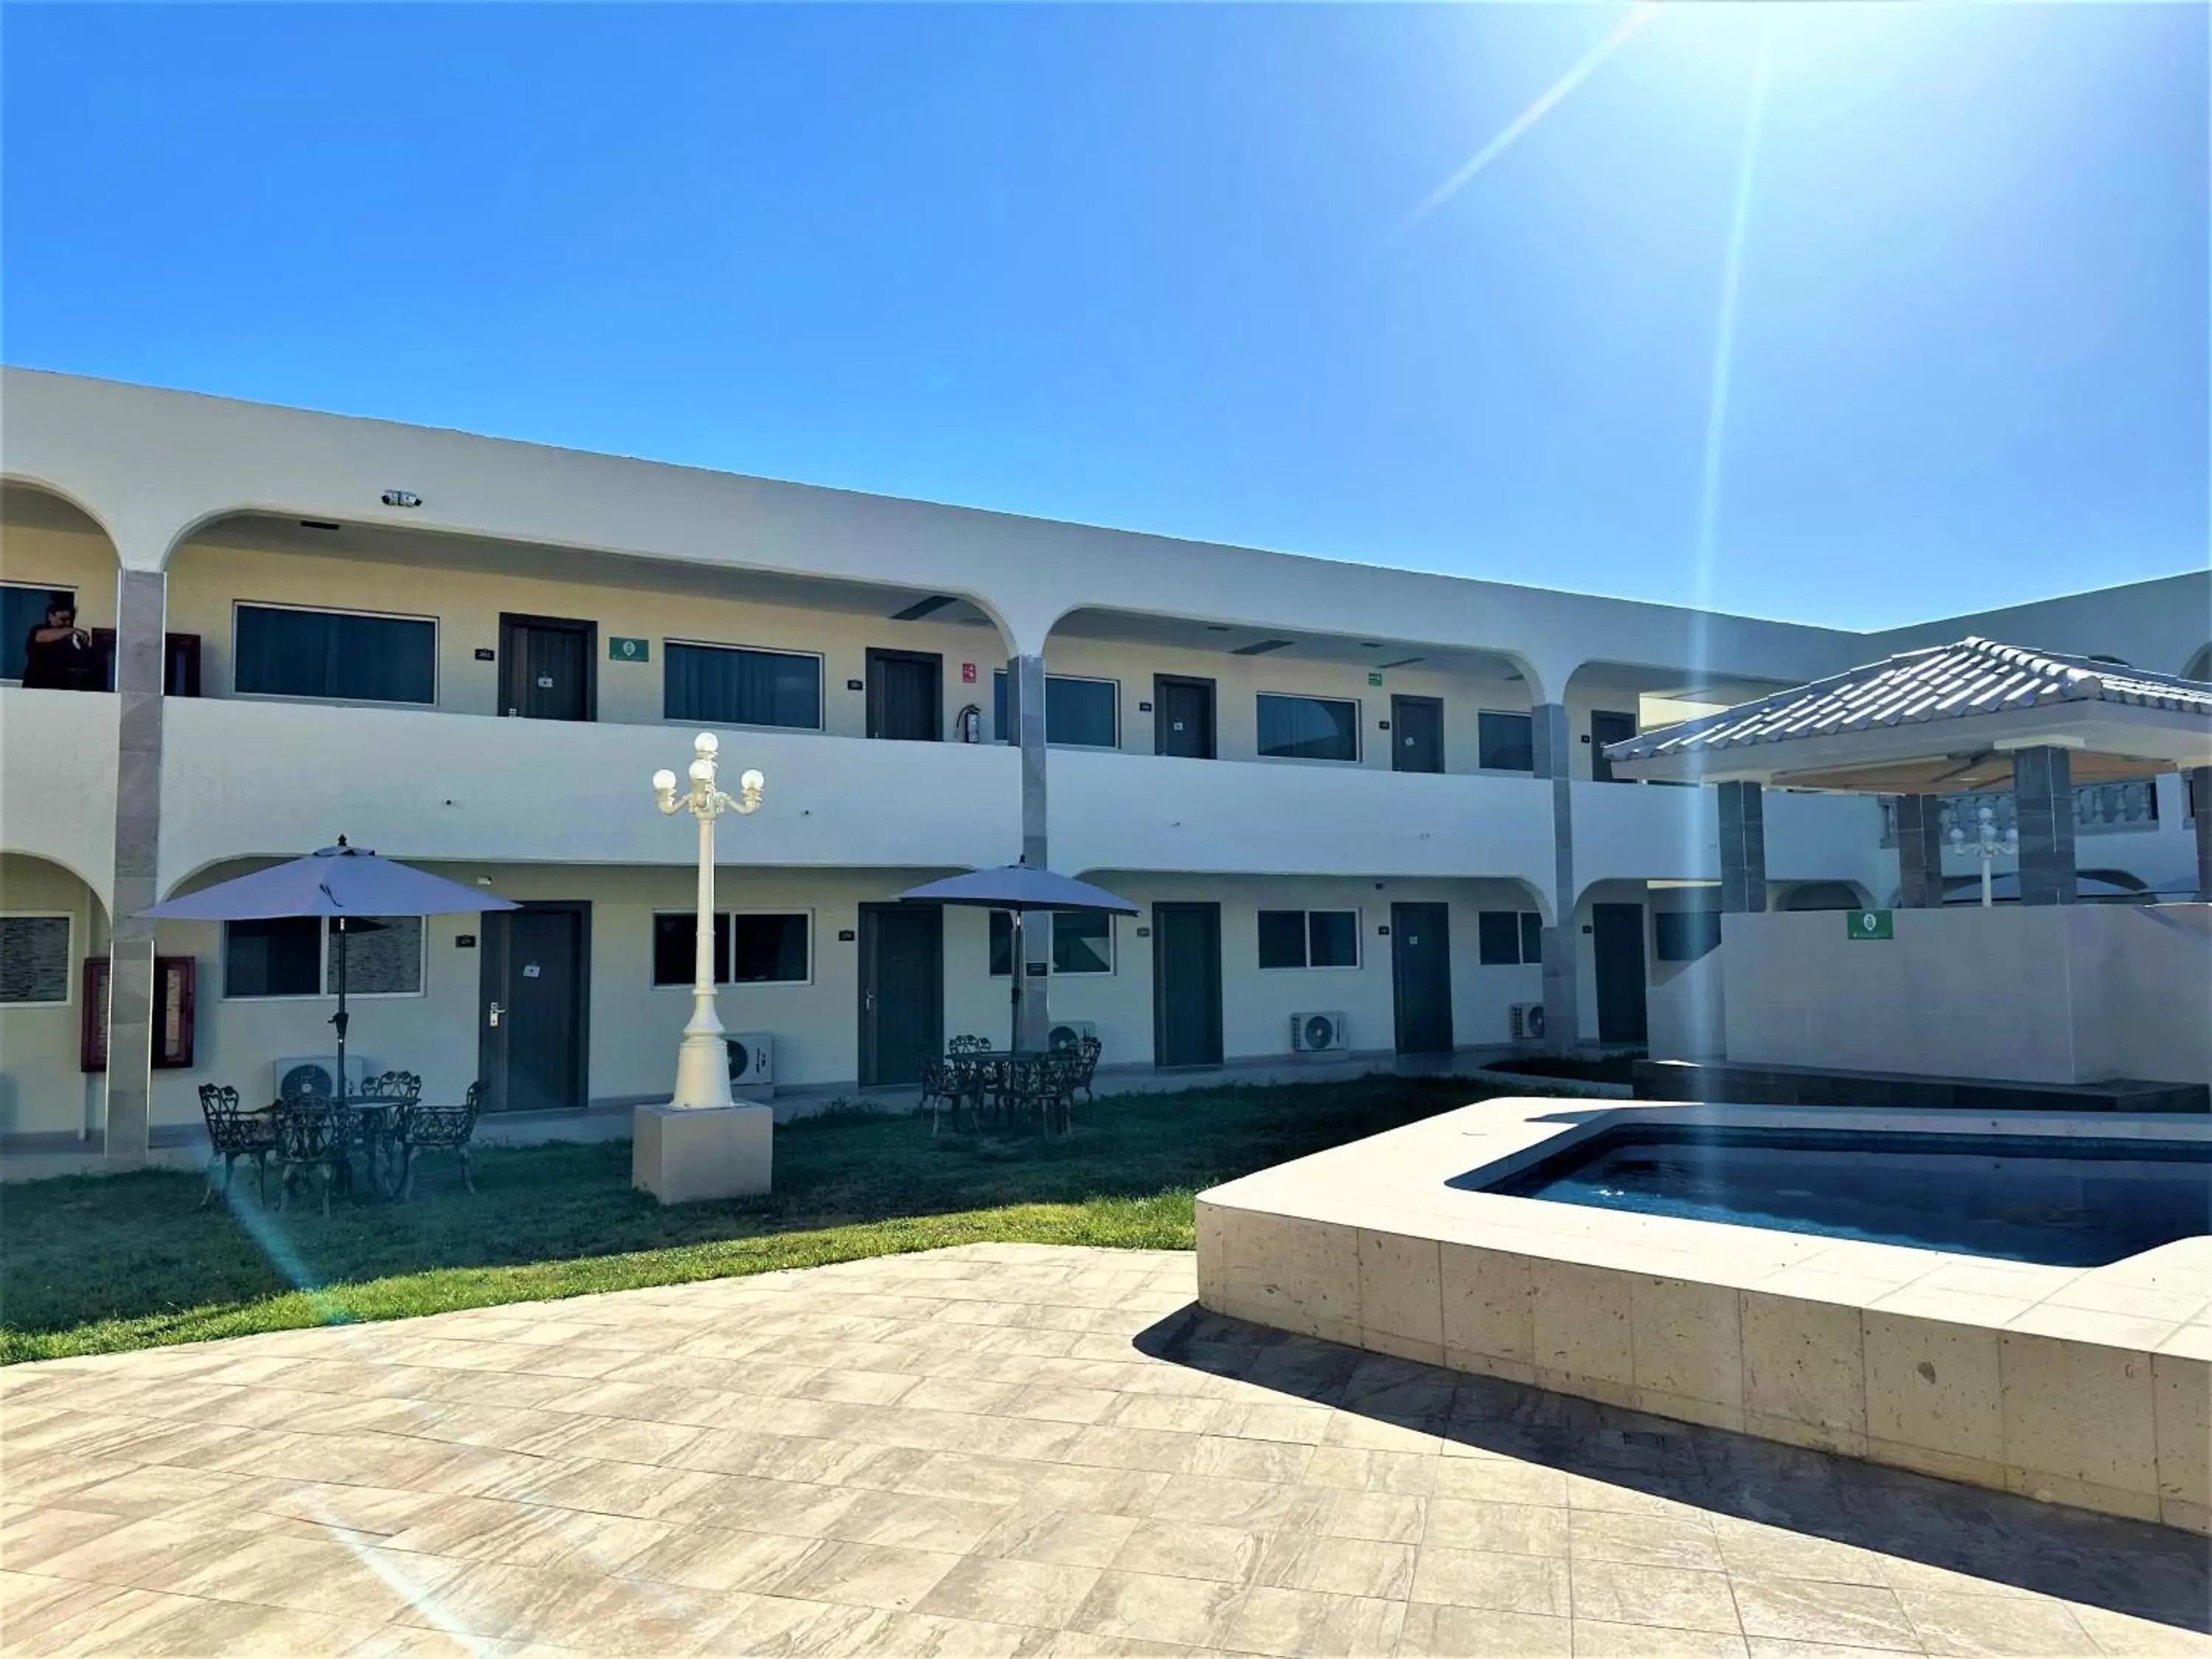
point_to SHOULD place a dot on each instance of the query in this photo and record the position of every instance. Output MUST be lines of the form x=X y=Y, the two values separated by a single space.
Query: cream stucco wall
x=34 y=556
x=41 y=1086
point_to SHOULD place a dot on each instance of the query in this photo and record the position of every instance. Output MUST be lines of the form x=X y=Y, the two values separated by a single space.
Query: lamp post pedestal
x=700 y=1143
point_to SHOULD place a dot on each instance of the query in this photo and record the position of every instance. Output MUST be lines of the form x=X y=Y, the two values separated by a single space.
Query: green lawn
x=93 y=1264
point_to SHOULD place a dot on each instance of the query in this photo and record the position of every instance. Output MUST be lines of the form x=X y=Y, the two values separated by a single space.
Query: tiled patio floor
x=994 y=1450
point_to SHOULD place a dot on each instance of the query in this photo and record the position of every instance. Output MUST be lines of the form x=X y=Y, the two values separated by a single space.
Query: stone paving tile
x=1000 y=1452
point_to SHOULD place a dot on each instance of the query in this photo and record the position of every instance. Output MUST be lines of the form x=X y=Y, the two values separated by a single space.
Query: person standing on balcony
x=58 y=656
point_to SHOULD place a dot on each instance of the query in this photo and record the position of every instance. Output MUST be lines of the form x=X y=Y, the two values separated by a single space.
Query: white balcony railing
x=243 y=778
x=2100 y=809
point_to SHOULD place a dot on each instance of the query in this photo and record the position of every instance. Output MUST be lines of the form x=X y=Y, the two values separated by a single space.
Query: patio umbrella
x=1018 y=888
x=350 y=883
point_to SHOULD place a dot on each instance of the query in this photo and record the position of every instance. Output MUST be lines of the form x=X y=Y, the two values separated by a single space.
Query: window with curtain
x=22 y=608
x=343 y=655
x=1309 y=728
x=297 y=957
x=1081 y=943
x=1083 y=714
x=734 y=685
x=1505 y=743
x=1309 y=938
x=34 y=959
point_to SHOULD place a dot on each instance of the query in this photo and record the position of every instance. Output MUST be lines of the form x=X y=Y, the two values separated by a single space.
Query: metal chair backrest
x=391 y=1085
x=969 y=1045
x=1086 y=1051
x=310 y=1129
x=229 y=1129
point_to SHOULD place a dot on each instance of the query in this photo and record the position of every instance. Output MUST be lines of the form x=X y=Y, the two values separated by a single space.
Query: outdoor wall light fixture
x=703 y=1067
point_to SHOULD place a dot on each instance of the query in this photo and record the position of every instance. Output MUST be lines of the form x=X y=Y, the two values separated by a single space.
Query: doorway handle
x=494 y=1012
x=868 y=1000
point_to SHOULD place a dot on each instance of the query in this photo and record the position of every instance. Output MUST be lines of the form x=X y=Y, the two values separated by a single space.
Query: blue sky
x=1149 y=266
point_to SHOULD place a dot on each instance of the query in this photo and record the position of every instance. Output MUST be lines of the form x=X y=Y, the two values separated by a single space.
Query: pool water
x=2064 y=1202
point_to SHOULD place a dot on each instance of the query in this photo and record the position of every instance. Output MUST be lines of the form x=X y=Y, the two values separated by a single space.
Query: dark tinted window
x=1082 y=943
x=35 y=958
x=383 y=956
x=278 y=957
x=1497 y=937
x=1684 y=935
x=1333 y=939
x=1282 y=939
x=334 y=653
x=766 y=949
x=724 y=685
x=675 y=934
x=21 y=609
x=1076 y=711
x=1505 y=743
x=1532 y=936
x=1309 y=728
x=1002 y=943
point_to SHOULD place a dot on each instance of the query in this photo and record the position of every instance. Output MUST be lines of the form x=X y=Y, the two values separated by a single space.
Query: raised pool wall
x=2085 y=1386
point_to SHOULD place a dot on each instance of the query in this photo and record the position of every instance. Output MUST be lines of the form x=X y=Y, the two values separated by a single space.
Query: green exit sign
x=1871 y=924
x=623 y=650
x=1374 y=679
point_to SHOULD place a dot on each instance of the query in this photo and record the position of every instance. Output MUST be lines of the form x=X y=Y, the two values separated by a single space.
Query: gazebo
x=2044 y=990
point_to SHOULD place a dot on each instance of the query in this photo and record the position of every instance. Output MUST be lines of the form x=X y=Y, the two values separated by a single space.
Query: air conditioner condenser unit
x=317 y=1075
x=1066 y=1033
x=752 y=1064
x=1527 y=1022
x=1317 y=1034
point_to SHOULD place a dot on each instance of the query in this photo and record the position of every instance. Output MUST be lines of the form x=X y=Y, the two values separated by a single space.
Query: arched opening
x=52 y=925
x=52 y=551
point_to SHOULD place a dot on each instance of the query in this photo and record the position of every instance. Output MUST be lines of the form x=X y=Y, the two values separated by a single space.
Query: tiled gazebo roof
x=1902 y=706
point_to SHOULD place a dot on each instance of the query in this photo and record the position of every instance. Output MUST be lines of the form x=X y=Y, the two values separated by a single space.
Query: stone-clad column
x=1920 y=852
x=1562 y=1015
x=2199 y=782
x=2042 y=793
x=1743 y=847
x=141 y=615
x=1025 y=712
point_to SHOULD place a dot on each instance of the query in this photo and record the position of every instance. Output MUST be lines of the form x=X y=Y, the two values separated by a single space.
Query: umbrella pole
x=1014 y=1040
x=338 y=1019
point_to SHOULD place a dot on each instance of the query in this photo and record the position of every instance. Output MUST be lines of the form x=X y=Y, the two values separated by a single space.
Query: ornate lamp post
x=702 y=1068
x=1986 y=845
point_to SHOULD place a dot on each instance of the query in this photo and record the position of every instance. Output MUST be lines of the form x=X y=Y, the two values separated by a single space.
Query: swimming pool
x=2063 y=1201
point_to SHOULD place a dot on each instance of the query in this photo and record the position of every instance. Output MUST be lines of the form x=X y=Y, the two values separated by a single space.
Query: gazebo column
x=1025 y=712
x=2043 y=796
x=1743 y=847
x=1562 y=1017
x=1920 y=852
x=2199 y=780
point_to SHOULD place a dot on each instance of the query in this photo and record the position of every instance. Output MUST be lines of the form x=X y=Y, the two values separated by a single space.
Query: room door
x=1186 y=985
x=905 y=699
x=535 y=977
x=1420 y=977
x=1183 y=716
x=547 y=670
x=1607 y=728
x=1617 y=932
x=1417 y=734
x=902 y=991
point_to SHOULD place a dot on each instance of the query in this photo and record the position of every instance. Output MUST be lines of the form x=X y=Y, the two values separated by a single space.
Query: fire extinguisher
x=970 y=724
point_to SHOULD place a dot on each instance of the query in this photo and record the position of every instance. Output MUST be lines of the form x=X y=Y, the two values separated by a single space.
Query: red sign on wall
x=967 y=673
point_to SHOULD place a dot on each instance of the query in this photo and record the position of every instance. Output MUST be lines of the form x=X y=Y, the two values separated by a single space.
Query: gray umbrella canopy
x=1018 y=888
x=349 y=882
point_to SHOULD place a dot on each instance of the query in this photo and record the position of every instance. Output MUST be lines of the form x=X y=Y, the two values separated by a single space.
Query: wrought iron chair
x=439 y=1129
x=380 y=1104
x=941 y=1088
x=233 y=1134
x=315 y=1133
x=1085 y=1051
x=969 y=1045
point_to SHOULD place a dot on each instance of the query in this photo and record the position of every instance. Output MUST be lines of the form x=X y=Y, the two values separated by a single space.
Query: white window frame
x=803 y=911
x=821 y=715
x=69 y=958
x=1358 y=733
x=1529 y=771
x=998 y=674
x=329 y=990
x=437 y=658
x=69 y=588
x=1113 y=948
x=1308 y=911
